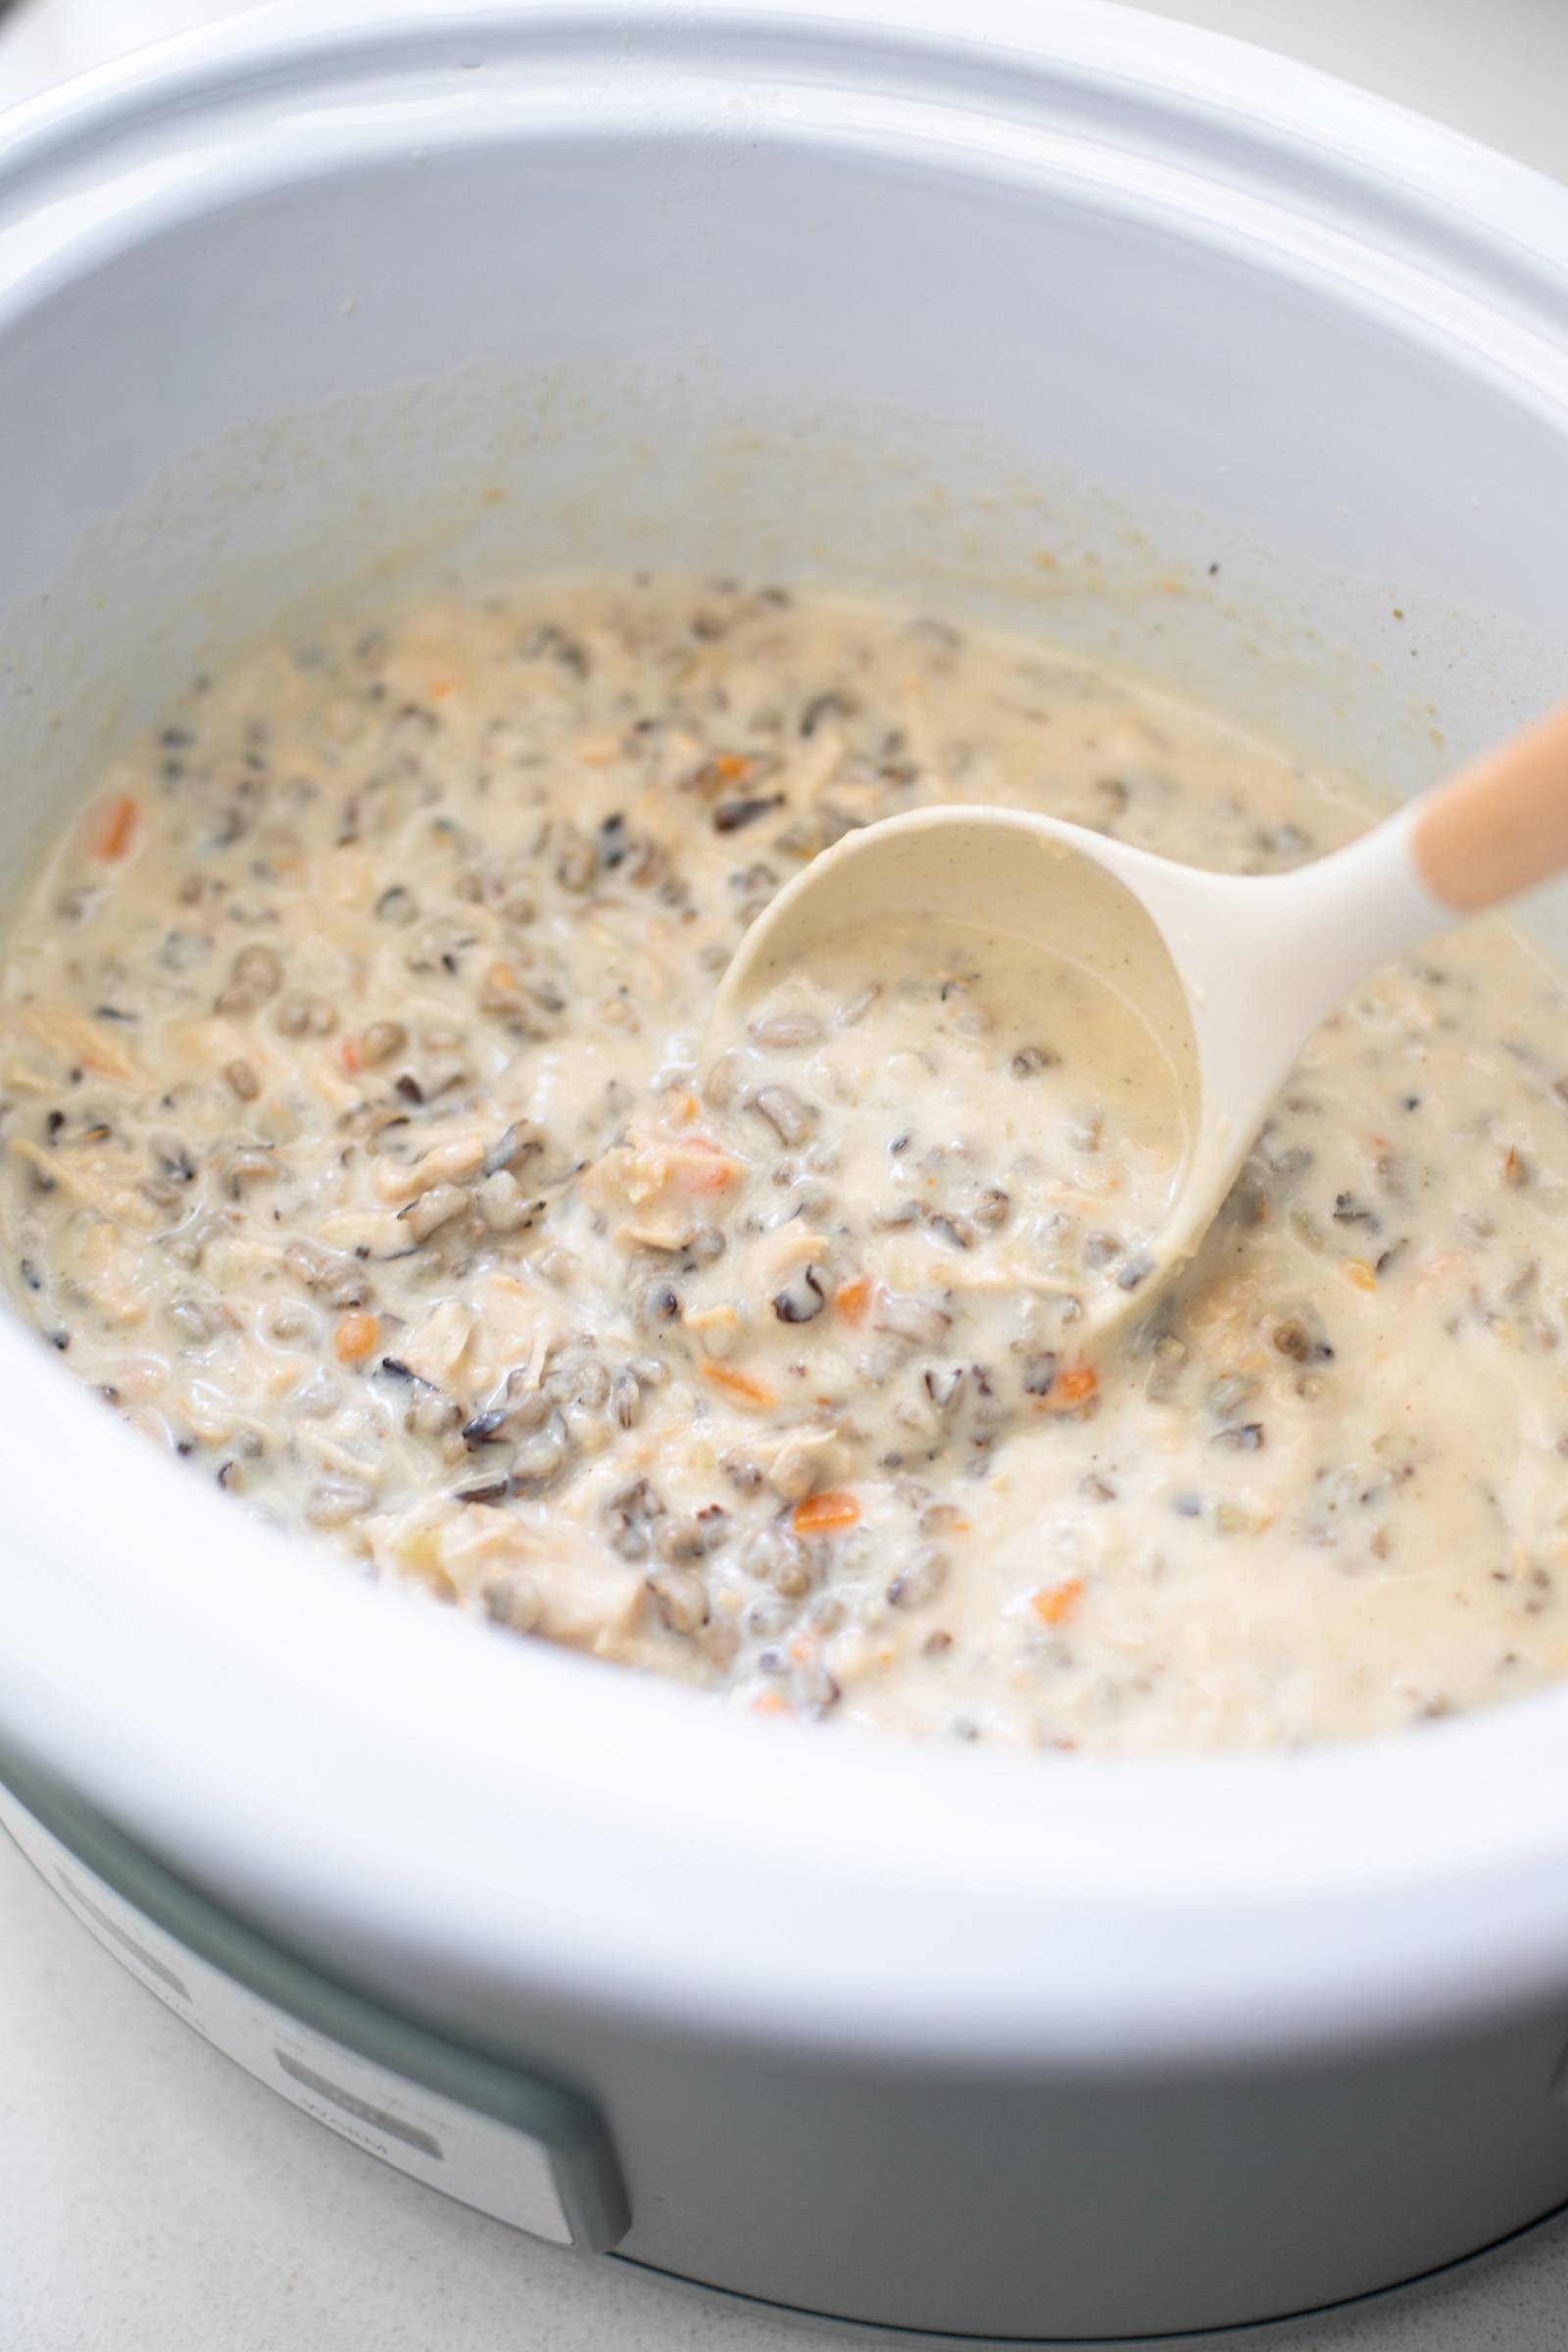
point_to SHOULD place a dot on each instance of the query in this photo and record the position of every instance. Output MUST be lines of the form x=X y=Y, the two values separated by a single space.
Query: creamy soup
x=363 y=1148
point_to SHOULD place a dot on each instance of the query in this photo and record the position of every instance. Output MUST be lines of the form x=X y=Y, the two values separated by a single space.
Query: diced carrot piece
x=439 y=689
x=739 y=1385
x=770 y=1702
x=116 y=825
x=683 y=1107
x=1054 y=1603
x=350 y=1057
x=1357 y=1270
x=824 y=1514
x=355 y=1337
x=731 y=765
x=702 y=1168
x=1070 y=1389
x=854 y=1298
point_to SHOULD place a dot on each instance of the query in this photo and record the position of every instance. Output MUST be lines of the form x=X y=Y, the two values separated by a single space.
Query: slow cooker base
x=1185 y=2339
x=521 y=2146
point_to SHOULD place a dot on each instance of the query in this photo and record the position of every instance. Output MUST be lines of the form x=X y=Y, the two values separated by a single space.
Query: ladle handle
x=1500 y=824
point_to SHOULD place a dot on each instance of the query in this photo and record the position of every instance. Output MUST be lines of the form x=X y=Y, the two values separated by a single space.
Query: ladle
x=1232 y=974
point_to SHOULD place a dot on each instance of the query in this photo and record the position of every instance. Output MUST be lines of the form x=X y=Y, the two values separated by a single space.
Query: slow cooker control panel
x=490 y=2134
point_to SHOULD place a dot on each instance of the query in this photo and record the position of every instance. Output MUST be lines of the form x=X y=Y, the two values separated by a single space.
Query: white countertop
x=155 y=2199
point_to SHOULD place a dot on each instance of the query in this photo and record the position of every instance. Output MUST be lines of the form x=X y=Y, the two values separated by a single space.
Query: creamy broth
x=361 y=1147
x=988 y=1053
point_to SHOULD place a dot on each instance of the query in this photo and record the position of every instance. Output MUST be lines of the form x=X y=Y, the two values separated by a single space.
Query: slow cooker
x=1135 y=336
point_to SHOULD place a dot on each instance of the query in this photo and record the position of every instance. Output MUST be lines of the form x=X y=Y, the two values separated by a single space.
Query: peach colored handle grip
x=1500 y=824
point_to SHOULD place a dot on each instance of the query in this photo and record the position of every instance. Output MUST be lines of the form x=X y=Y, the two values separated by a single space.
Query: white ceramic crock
x=1152 y=342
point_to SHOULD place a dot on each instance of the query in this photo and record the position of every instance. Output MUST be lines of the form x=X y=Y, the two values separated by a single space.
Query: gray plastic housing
x=486 y=2131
